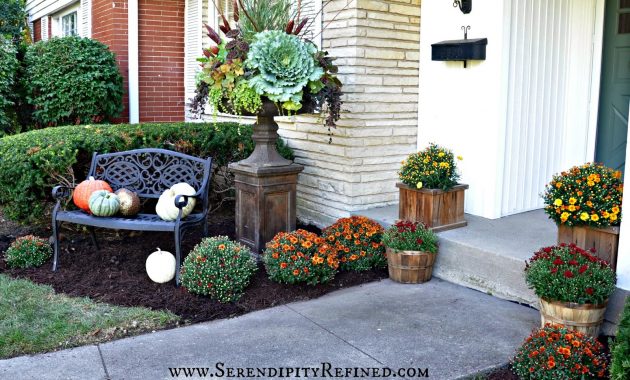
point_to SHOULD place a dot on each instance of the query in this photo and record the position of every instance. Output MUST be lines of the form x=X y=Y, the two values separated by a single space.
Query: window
x=69 y=24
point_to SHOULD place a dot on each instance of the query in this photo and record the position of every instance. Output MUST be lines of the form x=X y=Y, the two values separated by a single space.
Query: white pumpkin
x=166 y=208
x=161 y=266
x=183 y=188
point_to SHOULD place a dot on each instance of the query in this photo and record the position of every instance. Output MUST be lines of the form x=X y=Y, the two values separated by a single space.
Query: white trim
x=133 y=62
x=598 y=43
x=623 y=252
x=44 y=25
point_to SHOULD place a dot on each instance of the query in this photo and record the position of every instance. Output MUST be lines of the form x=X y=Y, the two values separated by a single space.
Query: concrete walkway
x=450 y=330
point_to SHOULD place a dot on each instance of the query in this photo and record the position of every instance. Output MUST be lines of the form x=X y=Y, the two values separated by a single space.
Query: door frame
x=596 y=79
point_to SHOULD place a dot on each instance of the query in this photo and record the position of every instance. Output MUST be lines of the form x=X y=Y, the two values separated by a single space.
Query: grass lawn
x=34 y=319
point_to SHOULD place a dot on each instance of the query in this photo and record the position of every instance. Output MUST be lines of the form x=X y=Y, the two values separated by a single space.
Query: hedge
x=8 y=71
x=620 y=351
x=72 y=80
x=34 y=161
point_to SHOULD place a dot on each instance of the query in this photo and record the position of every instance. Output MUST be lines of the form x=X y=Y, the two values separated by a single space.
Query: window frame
x=57 y=20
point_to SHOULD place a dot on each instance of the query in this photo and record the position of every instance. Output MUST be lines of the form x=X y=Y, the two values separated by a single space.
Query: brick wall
x=161 y=45
x=377 y=44
x=109 y=26
x=37 y=30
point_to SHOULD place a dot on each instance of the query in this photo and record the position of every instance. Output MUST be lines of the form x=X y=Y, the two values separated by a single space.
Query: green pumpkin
x=104 y=203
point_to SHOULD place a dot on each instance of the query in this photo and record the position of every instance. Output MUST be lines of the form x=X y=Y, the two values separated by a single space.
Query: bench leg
x=55 y=227
x=93 y=236
x=205 y=227
x=178 y=254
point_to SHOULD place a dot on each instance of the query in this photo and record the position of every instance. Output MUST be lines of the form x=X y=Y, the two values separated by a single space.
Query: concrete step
x=489 y=255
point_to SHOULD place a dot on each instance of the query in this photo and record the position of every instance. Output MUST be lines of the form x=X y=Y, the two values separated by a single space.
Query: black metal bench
x=148 y=172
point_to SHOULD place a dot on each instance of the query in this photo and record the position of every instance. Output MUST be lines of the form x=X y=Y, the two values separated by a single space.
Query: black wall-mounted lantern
x=464 y=5
x=460 y=50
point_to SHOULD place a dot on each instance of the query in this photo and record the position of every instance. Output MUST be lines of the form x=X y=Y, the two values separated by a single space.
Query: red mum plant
x=300 y=256
x=357 y=240
x=555 y=352
x=567 y=273
x=410 y=236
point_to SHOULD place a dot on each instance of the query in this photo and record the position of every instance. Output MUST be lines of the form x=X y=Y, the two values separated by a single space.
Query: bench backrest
x=149 y=172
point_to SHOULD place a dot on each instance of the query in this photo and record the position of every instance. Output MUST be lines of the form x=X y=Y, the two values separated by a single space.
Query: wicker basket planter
x=584 y=318
x=410 y=267
x=440 y=210
x=604 y=240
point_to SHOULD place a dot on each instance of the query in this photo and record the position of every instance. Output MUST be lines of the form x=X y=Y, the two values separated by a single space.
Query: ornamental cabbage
x=285 y=65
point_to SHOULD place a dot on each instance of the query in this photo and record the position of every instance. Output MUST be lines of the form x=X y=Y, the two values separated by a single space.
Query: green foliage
x=432 y=168
x=558 y=353
x=219 y=268
x=357 y=241
x=28 y=252
x=567 y=273
x=34 y=319
x=33 y=161
x=72 y=80
x=12 y=19
x=620 y=350
x=266 y=15
x=410 y=236
x=285 y=63
x=9 y=66
x=300 y=257
x=245 y=99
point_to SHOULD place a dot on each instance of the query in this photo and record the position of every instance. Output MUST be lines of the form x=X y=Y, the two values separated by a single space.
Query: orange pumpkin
x=82 y=192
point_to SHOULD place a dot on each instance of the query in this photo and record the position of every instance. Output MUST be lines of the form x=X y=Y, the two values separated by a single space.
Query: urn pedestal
x=265 y=186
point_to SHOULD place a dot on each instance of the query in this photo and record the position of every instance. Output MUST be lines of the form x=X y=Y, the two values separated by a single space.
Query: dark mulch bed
x=116 y=273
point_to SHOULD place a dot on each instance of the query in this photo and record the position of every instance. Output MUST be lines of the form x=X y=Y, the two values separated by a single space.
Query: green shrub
x=28 y=252
x=620 y=351
x=34 y=161
x=300 y=256
x=72 y=80
x=12 y=19
x=219 y=268
x=8 y=70
x=358 y=242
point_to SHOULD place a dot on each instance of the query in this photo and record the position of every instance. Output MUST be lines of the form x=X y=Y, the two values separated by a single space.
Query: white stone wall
x=377 y=45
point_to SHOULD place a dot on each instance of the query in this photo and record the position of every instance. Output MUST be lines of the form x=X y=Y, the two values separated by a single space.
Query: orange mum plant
x=590 y=195
x=555 y=352
x=300 y=256
x=357 y=240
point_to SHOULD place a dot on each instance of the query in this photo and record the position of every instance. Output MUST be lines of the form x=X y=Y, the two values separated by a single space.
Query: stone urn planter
x=604 y=240
x=584 y=318
x=266 y=185
x=410 y=267
x=440 y=210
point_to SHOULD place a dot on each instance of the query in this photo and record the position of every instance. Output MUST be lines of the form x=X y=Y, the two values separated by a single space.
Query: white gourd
x=160 y=266
x=183 y=188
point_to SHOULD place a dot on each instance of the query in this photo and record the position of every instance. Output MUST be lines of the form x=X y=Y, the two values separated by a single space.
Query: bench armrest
x=181 y=201
x=59 y=192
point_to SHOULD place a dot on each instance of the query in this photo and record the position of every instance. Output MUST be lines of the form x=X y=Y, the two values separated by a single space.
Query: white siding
x=40 y=8
x=193 y=44
x=549 y=80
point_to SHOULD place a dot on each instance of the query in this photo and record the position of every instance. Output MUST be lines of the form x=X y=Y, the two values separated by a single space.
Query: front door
x=612 y=125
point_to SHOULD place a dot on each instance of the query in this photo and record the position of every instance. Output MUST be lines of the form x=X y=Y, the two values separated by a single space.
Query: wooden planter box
x=604 y=240
x=584 y=318
x=410 y=267
x=440 y=210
